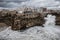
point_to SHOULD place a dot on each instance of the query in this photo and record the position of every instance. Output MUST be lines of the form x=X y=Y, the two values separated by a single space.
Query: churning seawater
x=49 y=32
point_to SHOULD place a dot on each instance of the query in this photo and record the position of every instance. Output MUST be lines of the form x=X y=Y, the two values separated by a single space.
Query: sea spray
x=50 y=20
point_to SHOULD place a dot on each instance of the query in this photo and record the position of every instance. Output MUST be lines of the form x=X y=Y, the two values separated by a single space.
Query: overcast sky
x=35 y=3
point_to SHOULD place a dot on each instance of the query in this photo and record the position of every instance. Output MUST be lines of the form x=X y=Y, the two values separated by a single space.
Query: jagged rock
x=27 y=20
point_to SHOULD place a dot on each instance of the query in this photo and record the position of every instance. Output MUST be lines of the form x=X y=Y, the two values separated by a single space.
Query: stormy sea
x=49 y=32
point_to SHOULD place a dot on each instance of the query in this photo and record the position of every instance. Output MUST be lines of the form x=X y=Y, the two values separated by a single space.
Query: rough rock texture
x=19 y=21
x=58 y=19
x=26 y=19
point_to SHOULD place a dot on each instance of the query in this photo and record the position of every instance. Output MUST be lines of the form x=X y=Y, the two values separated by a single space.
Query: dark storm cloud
x=1 y=0
x=10 y=3
x=14 y=0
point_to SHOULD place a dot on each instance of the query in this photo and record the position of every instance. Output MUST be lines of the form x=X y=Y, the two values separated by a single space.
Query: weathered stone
x=27 y=19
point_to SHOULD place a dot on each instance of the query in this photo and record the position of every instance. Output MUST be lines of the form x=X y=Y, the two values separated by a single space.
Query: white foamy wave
x=49 y=32
x=50 y=20
x=34 y=33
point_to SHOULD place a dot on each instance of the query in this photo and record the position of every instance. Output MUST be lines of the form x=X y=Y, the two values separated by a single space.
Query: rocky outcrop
x=27 y=20
x=19 y=21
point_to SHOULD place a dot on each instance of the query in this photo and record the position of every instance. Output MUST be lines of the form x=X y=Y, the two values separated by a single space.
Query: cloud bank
x=11 y=3
x=32 y=3
x=43 y=3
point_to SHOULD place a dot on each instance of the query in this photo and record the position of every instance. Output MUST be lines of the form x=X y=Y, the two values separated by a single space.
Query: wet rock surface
x=3 y=26
x=18 y=21
x=58 y=19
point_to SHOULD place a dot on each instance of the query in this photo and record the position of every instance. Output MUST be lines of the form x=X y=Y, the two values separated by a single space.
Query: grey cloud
x=1 y=0
x=57 y=0
x=13 y=0
x=10 y=3
x=18 y=3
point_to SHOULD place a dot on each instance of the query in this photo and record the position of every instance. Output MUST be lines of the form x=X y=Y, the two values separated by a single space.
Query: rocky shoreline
x=27 y=18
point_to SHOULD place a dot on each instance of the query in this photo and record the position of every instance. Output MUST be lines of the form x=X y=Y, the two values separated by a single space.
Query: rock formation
x=19 y=21
x=26 y=19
